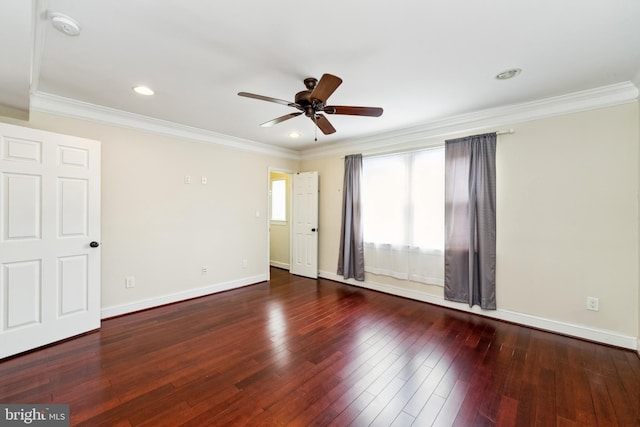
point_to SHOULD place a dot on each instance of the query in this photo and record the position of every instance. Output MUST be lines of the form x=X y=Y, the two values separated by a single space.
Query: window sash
x=403 y=199
x=403 y=216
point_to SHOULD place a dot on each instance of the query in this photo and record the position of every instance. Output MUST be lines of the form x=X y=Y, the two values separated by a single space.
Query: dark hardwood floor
x=301 y=352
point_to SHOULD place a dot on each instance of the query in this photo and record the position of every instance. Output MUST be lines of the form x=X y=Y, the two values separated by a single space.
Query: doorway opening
x=280 y=219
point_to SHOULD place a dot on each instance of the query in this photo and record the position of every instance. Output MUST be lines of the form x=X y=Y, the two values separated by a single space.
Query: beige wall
x=567 y=219
x=162 y=231
x=279 y=238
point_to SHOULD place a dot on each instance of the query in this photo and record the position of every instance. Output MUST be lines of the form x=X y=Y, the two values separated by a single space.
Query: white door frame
x=290 y=173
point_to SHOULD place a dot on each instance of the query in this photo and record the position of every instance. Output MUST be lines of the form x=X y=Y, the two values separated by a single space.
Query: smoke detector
x=65 y=24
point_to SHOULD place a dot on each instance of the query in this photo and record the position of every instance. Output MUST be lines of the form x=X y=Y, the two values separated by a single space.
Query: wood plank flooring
x=302 y=352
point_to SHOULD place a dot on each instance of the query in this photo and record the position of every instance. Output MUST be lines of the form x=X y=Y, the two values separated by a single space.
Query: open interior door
x=305 y=225
x=49 y=237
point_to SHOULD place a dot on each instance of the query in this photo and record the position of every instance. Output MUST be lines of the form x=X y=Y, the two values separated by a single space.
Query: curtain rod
x=391 y=153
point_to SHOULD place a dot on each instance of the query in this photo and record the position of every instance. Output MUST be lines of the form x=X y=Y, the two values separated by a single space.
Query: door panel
x=71 y=156
x=23 y=285
x=72 y=284
x=22 y=216
x=49 y=275
x=22 y=150
x=305 y=224
x=73 y=200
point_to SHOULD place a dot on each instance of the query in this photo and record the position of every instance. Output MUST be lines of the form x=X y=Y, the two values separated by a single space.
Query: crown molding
x=606 y=96
x=405 y=138
x=53 y=104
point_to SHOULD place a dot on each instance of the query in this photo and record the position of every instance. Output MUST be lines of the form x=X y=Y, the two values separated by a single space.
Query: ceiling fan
x=311 y=103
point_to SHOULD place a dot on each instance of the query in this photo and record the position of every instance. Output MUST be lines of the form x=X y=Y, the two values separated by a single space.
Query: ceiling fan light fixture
x=65 y=24
x=143 y=90
x=294 y=134
x=508 y=74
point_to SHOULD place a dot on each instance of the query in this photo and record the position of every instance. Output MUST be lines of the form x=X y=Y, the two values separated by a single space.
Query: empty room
x=319 y=214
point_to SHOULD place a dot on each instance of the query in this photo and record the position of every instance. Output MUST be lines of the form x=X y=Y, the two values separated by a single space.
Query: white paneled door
x=305 y=225
x=49 y=237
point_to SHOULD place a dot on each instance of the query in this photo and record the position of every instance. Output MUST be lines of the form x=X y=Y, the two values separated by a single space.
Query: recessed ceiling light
x=65 y=24
x=508 y=74
x=294 y=134
x=143 y=90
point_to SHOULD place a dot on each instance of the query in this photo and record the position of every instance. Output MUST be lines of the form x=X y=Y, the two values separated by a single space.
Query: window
x=403 y=215
x=279 y=200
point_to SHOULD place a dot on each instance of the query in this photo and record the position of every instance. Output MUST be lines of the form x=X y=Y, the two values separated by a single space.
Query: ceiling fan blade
x=326 y=86
x=323 y=124
x=280 y=119
x=269 y=99
x=353 y=111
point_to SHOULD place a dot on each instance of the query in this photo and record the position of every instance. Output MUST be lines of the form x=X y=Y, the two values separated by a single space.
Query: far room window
x=279 y=200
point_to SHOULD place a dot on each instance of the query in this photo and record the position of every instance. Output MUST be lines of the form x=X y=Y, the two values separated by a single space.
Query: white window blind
x=403 y=215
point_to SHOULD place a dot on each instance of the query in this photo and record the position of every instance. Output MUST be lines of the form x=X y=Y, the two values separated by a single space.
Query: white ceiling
x=422 y=61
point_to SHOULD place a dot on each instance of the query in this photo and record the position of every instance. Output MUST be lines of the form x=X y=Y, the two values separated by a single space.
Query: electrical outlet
x=592 y=303
x=245 y=263
x=204 y=270
x=129 y=282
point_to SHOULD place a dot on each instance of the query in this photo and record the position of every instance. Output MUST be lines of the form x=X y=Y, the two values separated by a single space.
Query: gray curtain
x=351 y=255
x=470 y=220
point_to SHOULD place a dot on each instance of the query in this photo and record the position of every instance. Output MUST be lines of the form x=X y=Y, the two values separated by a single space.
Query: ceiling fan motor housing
x=310 y=106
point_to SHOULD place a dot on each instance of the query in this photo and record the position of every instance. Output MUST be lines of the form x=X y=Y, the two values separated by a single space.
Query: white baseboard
x=118 y=310
x=578 y=331
x=278 y=264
